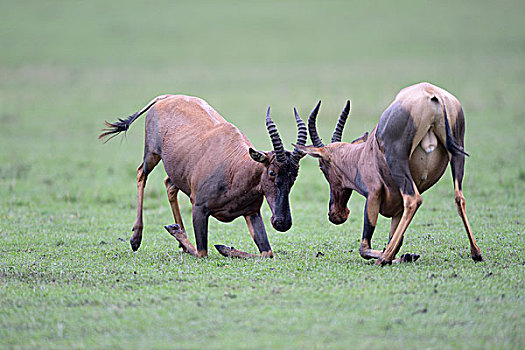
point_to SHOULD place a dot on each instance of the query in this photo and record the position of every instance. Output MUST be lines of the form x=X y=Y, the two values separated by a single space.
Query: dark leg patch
x=368 y=228
x=259 y=233
x=360 y=184
x=395 y=132
x=200 y=227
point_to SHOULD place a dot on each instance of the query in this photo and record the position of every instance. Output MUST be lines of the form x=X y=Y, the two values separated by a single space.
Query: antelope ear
x=361 y=138
x=317 y=152
x=258 y=156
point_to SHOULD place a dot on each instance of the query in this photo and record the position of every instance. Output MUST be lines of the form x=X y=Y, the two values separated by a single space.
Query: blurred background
x=66 y=66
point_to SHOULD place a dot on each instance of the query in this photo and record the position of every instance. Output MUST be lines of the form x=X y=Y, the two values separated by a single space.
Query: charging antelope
x=215 y=164
x=406 y=153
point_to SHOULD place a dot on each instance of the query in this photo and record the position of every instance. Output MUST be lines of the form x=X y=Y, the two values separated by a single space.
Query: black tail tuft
x=454 y=148
x=113 y=129
x=452 y=144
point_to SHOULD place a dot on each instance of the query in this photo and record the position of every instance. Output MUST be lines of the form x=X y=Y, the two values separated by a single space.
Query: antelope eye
x=271 y=172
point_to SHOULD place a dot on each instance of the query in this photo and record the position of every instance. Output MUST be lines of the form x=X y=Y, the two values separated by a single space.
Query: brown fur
x=215 y=165
x=363 y=165
x=193 y=136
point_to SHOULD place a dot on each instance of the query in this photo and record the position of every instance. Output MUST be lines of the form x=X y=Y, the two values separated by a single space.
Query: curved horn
x=338 y=132
x=274 y=136
x=301 y=138
x=311 y=126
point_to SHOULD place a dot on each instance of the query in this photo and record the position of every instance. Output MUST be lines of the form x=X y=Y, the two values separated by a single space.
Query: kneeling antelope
x=216 y=166
x=406 y=153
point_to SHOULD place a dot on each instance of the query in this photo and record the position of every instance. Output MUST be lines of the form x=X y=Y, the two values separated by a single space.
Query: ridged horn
x=274 y=136
x=301 y=137
x=338 y=132
x=311 y=127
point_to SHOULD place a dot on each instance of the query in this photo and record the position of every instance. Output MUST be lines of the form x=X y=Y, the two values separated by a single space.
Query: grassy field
x=68 y=278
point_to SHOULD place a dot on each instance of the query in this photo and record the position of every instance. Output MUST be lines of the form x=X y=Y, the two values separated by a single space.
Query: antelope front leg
x=180 y=235
x=258 y=232
x=200 y=226
x=407 y=257
x=172 y=192
x=369 y=225
x=411 y=204
x=256 y=226
x=231 y=252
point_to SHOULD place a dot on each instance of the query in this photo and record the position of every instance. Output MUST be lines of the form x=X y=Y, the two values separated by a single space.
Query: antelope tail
x=452 y=144
x=113 y=129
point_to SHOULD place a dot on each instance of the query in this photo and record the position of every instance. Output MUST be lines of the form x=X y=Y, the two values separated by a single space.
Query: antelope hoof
x=382 y=262
x=135 y=243
x=477 y=257
x=172 y=229
x=409 y=257
x=224 y=250
x=136 y=237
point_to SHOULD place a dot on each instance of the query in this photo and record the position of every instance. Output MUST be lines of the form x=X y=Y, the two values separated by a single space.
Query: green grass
x=68 y=278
